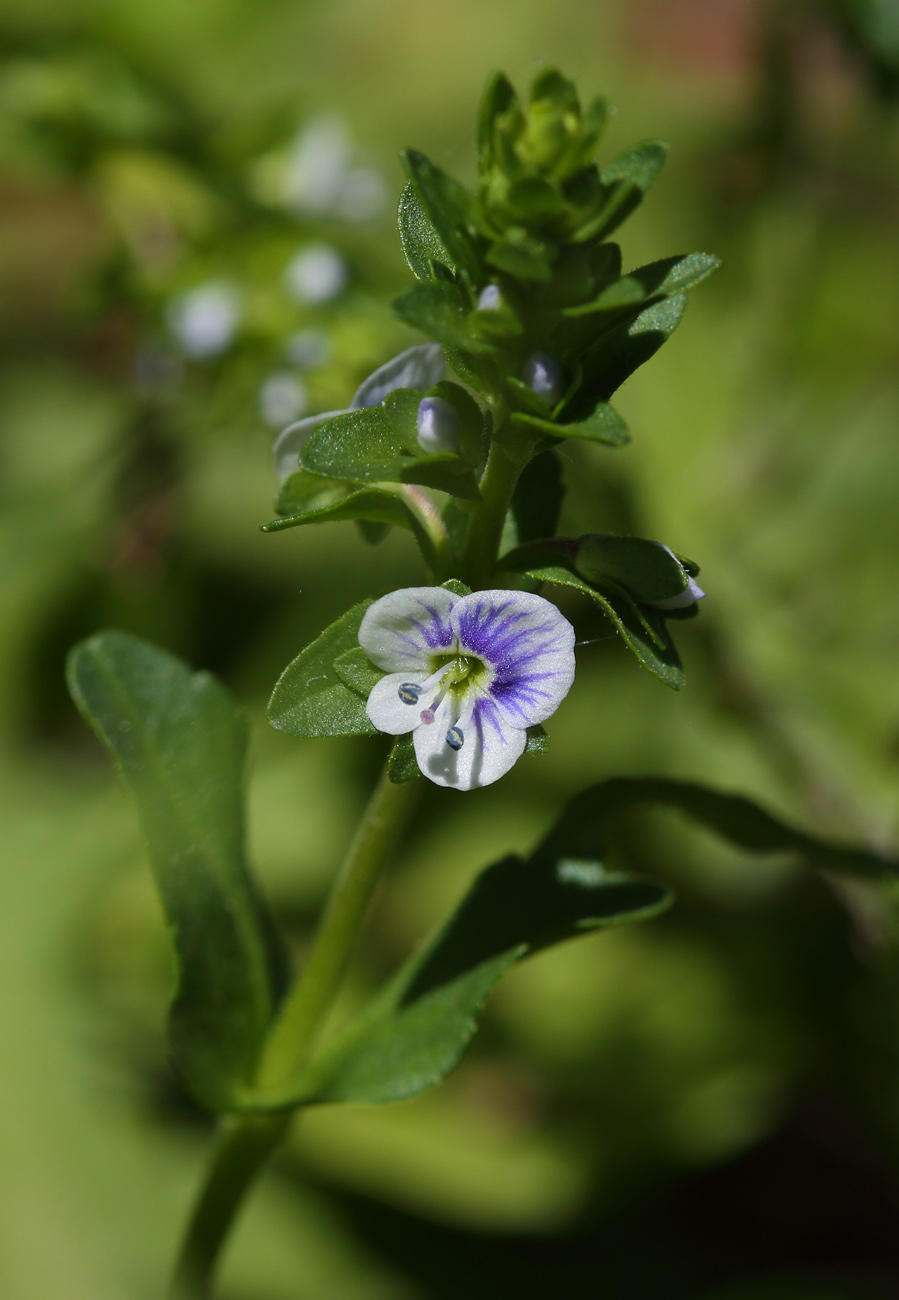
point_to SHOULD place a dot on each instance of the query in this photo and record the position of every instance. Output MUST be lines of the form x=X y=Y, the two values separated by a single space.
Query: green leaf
x=418 y=1028
x=402 y=765
x=522 y=255
x=628 y=177
x=356 y=670
x=311 y=698
x=373 y=504
x=179 y=742
x=422 y=245
x=603 y=424
x=643 y=568
x=660 y=279
x=439 y=310
x=537 y=740
x=580 y=831
x=456 y=587
x=537 y=499
x=445 y=472
x=452 y=210
x=361 y=446
x=643 y=630
x=622 y=351
x=305 y=493
x=499 y=96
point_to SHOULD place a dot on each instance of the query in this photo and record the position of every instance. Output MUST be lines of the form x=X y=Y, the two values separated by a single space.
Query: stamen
x=409 y=692
x=455 y=738
x=428 y=716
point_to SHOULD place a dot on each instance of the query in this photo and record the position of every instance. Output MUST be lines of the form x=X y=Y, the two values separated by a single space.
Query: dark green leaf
x=179 y=742
x=603 y=424
x=628 y=177
x=660 y=279
x=356 y=670
x=499 y=96
x=456 y=587
x=538 y=740
x=451 y=208
x=643 y=630
x=422 y=245
x=305 y=493
x=445 y=472
x=643 y=568
x=581 y=830
x=623 y=351
x=438 y=309
x=402 y=765
x=418 y=1029
x=537 y=499
x=311 y=698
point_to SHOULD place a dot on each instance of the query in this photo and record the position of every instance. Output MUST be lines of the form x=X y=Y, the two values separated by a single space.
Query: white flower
x=205 y=319
x=282 y=397
x=690 y=594
x=418 y=367
x=316 y=274
x=467 y=675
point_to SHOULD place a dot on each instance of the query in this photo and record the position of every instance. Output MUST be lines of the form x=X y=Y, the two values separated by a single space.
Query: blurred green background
x=197 y=245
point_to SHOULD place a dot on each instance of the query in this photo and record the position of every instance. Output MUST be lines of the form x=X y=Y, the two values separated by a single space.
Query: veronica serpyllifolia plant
x=531 y=325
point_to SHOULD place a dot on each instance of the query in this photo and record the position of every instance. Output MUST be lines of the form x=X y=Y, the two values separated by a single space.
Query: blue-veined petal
x=466 y=747
x=408 y=627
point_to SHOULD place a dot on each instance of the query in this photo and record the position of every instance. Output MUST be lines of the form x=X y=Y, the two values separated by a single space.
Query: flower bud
x=544 y=377
x=684 y=599
x=438 y=426
x=490 y=298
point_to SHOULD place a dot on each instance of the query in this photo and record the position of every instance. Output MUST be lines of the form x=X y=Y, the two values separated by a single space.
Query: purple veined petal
x=469 y=744
x=291 y=440
x=418 y=367
x=529 y=645
x=407 y=628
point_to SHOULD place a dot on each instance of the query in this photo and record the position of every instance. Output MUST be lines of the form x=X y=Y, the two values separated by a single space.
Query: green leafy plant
x=532 y=326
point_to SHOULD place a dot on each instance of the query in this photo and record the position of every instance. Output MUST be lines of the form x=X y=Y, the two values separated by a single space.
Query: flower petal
x=405 y=629
x=291 y=440
x=469 y=743
x=418 y=367
x=387 y=708
x=528 y=644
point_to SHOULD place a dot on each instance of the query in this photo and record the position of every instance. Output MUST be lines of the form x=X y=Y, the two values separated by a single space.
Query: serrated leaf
x=581 y=829
x=422 y=245
x=179 y=742
x=402 y=765
x=643 y=630
x=418 y=1028
x=311 y=698
x=452 y=210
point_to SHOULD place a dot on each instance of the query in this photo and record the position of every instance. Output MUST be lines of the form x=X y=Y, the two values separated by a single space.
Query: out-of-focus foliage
x=193 y=252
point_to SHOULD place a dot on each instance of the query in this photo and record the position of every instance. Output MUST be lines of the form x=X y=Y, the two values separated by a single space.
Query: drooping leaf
x=179 y=742
x=311 y=698
x=580 y=832
x=642 y=629
x=418 y=1028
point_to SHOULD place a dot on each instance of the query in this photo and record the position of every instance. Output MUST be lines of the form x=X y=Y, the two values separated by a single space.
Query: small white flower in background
x=316 y=274
x=321 y=178
x=282 y=397
x=543 y=376
x=490 y=298
x=466 y=675
x=690 y=594
x=205 y=320
x=419 y=367
x=438 y=425
x=309 y=347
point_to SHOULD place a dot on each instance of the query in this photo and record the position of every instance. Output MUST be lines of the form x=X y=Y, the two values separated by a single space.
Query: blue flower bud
x=438 y=425
x=490 y=298
x=544 y=377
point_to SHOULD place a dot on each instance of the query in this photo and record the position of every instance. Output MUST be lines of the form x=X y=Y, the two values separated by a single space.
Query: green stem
x=245 y=1143
x=504 y=465
x=309 y=1000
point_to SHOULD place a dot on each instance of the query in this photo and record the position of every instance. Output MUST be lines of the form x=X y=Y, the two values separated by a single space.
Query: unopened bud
x=490 y=298
x=544 y=377
x=438 y=425
x=690 y=594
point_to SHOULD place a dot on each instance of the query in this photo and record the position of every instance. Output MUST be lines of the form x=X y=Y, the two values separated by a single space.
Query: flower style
x=420 y=366
x=467 y=675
